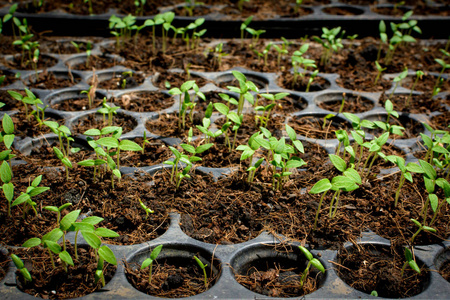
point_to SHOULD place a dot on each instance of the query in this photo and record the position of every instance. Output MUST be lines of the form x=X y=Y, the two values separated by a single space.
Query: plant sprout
x=398 y=79
x=409 y=262
x=419 y=75
x=26 y=198
x=311 y=262
x=21 y=267
x=331 y=40
x=421 y=227
x=145 y=208
x=267 y=110
x=444 y=66
x=149 y=261
x=244 y=26
x=7 y=187
x=203 y=267
x=380 y=70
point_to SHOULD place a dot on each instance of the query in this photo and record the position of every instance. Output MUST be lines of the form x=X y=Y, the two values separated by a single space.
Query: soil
x=55 y=283
x=144 y=101
x=121 y=81
x=174 y=277
x=51 y=81
x=90 y=121
x=352 y=104
x=229 y=209
x=80 y=103
x=4 y=264
x=380 y=271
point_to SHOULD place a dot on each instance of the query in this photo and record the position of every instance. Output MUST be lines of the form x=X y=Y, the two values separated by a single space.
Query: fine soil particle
x=51 y=81
x=144 y=101
x=312 y=126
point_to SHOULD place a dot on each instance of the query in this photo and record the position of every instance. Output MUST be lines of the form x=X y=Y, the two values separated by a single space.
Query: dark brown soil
x=77 y=104
x=4 y=262
x=44 y=62
x=370 y=268
x=171 y=278
x=127 y=123
x=95 y=62
x=121 y=81
x=144 y=101
x=55 y=283
x=416 y=104
x=312 y=126
x=50 y=80
x=352 y=104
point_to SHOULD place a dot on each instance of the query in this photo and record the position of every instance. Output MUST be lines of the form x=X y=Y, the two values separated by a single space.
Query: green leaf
x=188 y=148
x=53 y=235
x=147 y=262
x=155 y=252
x=38 y=190
x=81 y=226
x=33 y=242
x=92 y=239
x=428 y=169
x=105 y=232
x=434 y=202
x=92 y=132
x=8 y=191
x=317 y=264
x=108 y=142
x=53 y=246
x=353 y=175
x=93 y=220
x=306 y=252
x=5 y=172
x=21 y=199
x=291 y=133
x=128 y=145
x=26 y=274
x=17 y=261
x=338 y=162
x=414 y=266
x=8 y=124
x=65 y=257
x=105 y=253
x=58 y=153
x=415 y=168
x=203 y=148
x=69 y=219
x=36 y=181
x=295 y=163
x=343 y=183
x=321 y=186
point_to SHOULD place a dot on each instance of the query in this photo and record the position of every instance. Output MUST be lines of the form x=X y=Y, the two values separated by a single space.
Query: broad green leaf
x=53 y=246
x=8 y=191
x=53 y=235
x=128 y=145
x=108 y=142
x=92 y=239
x=38 y=190
x=147 y=262
x=65 y=257
x=33 y=242
x=81 y=226
x=414 y=266
x=8 y=124
x=105 y=232
x=434 y=202
x=203 y=148
x=155 y=252
x=338 y=162
x=17 y=261
x=353 y=175
x=321 y=186
x=306 y=252
x=69 y=219
x=105 y=253
x=317 y=264
x=5 y=172
x=428 y=169
x=21 y=199
x=93 y=220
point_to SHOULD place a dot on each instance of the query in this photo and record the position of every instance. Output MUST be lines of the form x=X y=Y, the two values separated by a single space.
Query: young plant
x=253 y=144
x=28 y=99
x=444 y=66
x=300 y=62
x=145 y=208
x=26 y=198
x=386 y=126
x=267 y=110
x=109 y=111
x=21 y=267
x=311 y=262
x=58 y=210
x=149 y=261
x=203 y=267
x=409 y=262
x=90 y=94
x=185 y=102
x=7 y=187
x=398 y=79
x=244 y=26
x=419 y=75
x=380 y=71
x=7 y=138
x=245 y=86
x=331 y=41
x=420 y=228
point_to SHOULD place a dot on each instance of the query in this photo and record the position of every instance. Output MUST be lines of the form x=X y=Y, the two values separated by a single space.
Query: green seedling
x=374 y=293
x=90 y=94
x=195 y=36
x=240 y=4
x=421 y=227
x=28 y=99
x=311 y=262
x=58 y=210
x=347 y=182
x=203 y=267
x=253 y=144
x=380 y=71
x=343 y=138
x=219 y=54
x=409 y=262
x=108 y=110
x=50 y=242
x=444 y=66
x=7 y=138
x=398 y=79
x=206 y=123
x=245 y=86
x=406 y=170
x=139 y=4
x=329 y=116
x=7 y=187
x=244 y=26
x=300 y=62
x=158 y=20
x=374 y=147
x=125 y=75
x=255 y=35
x=145 y=208
x=26 y=198
x=84 y=225
x=149 y=261
x=331 y=41
x=90 y=9
x=190 y=6
x=185 y=102
x=358 y=133
x=386 y=126
x=419 y=75
x=21 y=267
x=312 y=76
x=267 y=110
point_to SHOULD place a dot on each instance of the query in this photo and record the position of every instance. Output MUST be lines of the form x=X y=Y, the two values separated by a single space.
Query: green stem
x=318 y=209
x=331 y=204
x=397 y=193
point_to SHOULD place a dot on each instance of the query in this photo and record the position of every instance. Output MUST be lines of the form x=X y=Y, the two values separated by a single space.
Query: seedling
x=267 y=110
x=298 y=61
x=244 y=26
x=21 y=267
x=58 y=210
x=7 y=138
x=145 y=208
x=419 y=75
x=108 y=110
x=255 y=35
x=312 y=76
x=331 y=40
x=245 y=86
x=398 y=79
x=26 y=198
x=386 y=126
x=409 y=262
x=149 y=261
x=421 y=227
x=185 y=102
x=90 y=94
x=380 y=70
x=28 y=99
x=253 y=144
x=125 y=75
x=444 y=66
x=158 y=20
x=311 y=262
x=190 y=6
x=203 y=267
x=7 y=187
x=219 y=54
